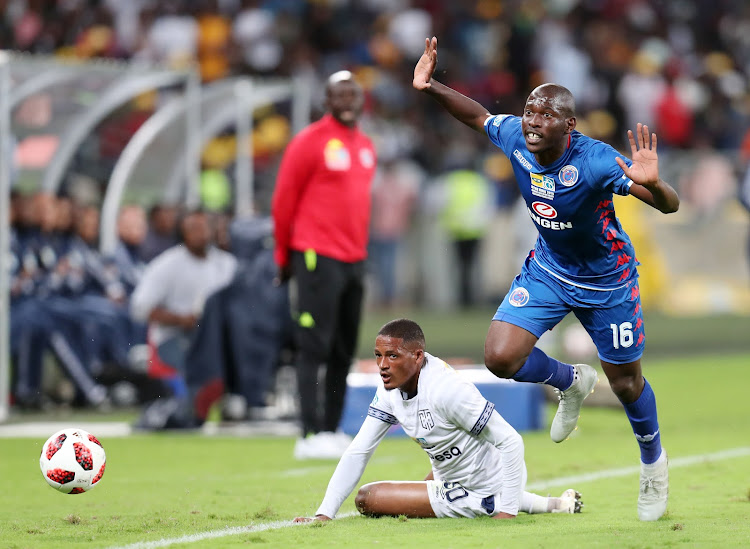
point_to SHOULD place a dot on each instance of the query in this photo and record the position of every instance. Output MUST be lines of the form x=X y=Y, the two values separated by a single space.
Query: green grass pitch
x=163 y=487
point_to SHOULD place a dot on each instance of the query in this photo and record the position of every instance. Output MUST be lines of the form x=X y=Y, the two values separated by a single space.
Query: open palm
x=645 y=168
x=426 y=65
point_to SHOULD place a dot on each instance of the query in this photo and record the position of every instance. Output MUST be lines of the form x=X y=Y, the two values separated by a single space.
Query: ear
x=418 y=356
x=570 y=124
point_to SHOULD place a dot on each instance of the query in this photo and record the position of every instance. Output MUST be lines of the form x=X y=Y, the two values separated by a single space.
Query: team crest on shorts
x=519 y=297
x=568 y=175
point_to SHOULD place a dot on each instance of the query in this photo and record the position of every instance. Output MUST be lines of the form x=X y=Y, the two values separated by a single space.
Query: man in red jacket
x=321 y=214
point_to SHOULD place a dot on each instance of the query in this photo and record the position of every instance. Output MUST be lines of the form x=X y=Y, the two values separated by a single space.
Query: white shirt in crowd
x=180 y=282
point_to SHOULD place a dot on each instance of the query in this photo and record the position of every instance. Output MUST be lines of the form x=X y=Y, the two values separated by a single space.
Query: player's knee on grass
x=366 y=499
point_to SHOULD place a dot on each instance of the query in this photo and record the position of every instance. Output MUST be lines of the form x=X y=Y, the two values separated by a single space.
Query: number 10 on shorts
x=622 y=335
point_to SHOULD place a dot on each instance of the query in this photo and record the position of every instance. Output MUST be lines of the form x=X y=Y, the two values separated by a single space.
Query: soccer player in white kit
x=477 y=459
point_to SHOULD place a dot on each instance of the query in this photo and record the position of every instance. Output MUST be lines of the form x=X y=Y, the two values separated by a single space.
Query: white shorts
x=451 y=500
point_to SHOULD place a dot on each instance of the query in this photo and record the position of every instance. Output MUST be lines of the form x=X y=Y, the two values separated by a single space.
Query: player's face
x=545 y=126
x=344 y=100
x=398 y=365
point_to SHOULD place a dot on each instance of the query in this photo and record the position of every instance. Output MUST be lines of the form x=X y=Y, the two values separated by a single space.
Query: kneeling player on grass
x=477 y=457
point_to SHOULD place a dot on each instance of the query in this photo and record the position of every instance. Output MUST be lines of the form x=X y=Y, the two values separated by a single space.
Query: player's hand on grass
x=645 y=168
x=426 y=65
x=320 y=518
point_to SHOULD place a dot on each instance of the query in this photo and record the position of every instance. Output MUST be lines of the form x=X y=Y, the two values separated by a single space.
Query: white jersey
x=467 y=441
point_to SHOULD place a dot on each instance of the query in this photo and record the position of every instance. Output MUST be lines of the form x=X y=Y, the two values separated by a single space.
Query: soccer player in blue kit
x=583 y=260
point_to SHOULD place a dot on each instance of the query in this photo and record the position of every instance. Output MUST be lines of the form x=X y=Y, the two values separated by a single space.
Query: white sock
x=534 y=504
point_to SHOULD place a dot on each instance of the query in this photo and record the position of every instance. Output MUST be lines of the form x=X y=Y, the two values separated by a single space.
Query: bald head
x=555 y=97
x=344 y=97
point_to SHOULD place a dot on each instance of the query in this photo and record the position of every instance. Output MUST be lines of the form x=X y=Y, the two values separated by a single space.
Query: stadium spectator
x=162 y=231
x=170 y=298
x=394 y=198
x=132 y=228
x=477 y=458
x=466 y=212
x=43 y=316
x=100 y=296
x=321 y=214
x=583 y=260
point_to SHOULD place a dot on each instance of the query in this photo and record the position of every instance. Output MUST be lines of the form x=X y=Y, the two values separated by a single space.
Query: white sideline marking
x=625 y=471
x=217 y=534
x=560 y=481
x=43 y=429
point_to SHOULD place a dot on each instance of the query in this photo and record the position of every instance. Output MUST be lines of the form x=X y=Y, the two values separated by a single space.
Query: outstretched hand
x=426 y=65
x=645 y=168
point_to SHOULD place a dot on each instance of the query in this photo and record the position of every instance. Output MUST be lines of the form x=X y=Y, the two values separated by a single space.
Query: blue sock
x=540 y=368
x=642 y=416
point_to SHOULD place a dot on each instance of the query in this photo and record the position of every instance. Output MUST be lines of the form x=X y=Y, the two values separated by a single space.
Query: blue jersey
x=581 y=241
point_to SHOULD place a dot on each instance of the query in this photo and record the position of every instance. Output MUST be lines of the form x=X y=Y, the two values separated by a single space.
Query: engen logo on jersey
x=542 y=214
x=542 y=186
x=568 y=175
x=545 y=210
x=519 y=297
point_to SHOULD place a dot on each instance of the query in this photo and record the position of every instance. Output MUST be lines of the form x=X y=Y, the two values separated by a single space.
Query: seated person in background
x=162 y=233
x=170 y=297
x=477 y=458
x=132 y=228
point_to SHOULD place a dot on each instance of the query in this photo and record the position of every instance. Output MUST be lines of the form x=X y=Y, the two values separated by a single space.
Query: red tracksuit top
x=322 y=195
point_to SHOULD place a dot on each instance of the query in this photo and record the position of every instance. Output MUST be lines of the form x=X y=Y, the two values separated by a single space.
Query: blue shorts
x=537 y=302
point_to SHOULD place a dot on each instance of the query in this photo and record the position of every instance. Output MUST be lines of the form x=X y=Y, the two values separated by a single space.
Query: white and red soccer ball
x=72 y=461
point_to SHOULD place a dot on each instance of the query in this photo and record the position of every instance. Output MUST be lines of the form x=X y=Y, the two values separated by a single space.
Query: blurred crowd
x=173 y=319
x=683 y=67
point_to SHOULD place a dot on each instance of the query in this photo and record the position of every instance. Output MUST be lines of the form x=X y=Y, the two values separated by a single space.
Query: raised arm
x=462 y=108
x=647 y=185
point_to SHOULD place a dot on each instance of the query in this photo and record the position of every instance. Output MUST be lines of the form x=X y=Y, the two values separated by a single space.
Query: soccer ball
x=72 y=461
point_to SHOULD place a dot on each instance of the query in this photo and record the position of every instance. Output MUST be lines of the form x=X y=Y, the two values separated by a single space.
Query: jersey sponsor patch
x=546 y=223
x=519 y=297
x=336 y=156
x=423 y=443
x=544 y=210
x=542 y=186
x=568 y=175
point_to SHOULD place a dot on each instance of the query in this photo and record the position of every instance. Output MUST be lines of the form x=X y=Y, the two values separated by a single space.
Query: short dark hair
x=404 y=329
